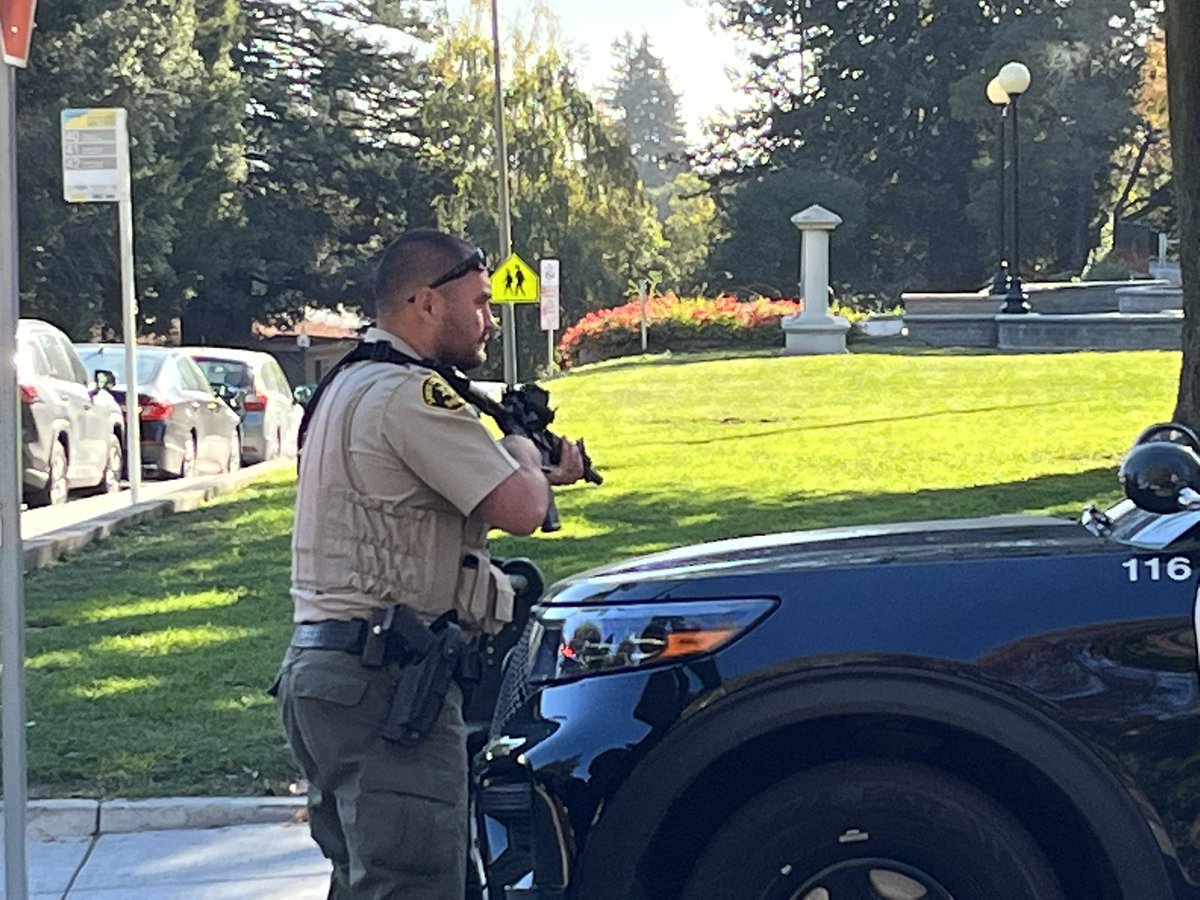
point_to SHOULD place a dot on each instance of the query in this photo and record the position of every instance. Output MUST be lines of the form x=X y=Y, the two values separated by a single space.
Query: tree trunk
x=1183 y=97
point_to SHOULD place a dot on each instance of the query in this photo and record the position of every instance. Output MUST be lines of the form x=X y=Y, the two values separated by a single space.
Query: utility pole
x=508 y=326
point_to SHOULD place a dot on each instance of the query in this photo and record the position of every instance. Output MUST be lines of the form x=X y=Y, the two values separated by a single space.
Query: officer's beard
x=463 y=360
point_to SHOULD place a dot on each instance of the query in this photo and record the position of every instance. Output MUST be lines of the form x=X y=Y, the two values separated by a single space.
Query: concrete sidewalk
x=276 y=861
x=215 y=848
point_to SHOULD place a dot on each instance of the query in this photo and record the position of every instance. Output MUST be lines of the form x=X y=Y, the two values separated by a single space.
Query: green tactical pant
x=392 y=819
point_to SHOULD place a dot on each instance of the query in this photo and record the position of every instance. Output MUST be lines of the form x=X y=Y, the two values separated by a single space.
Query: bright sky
x=696 y=56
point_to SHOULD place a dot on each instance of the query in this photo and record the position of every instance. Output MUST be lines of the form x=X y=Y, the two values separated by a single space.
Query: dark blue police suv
x=1003 y=708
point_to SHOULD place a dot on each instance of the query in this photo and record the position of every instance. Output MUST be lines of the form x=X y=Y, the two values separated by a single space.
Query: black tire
x=55 y=491
x=872 y=830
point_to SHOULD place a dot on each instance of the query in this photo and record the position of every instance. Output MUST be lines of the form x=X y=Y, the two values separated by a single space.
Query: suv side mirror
x=106 y=380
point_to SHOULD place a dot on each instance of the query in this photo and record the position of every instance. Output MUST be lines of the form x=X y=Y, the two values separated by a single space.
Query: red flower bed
x=674 y=323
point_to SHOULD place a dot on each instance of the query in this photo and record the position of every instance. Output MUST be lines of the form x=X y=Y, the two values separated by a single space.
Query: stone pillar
x=813 y=330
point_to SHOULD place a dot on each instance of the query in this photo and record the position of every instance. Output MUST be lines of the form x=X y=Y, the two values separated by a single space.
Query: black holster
x=432 y=657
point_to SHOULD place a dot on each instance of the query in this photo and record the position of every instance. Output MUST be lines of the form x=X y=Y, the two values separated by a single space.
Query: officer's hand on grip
x=569 y=467
x=523 y=450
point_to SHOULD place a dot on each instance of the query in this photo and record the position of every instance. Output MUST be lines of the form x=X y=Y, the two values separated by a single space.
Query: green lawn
x=149 y=653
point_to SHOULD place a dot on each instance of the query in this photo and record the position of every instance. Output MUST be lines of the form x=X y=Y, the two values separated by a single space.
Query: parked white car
x=254 y=385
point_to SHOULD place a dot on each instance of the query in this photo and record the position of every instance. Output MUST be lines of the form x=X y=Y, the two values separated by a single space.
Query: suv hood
x=949 y=539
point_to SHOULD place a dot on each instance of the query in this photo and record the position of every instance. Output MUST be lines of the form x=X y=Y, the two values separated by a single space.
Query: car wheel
x=55 y=491
x=876 y=829
x=234 y=462
x=188 y=466
x=110 y=481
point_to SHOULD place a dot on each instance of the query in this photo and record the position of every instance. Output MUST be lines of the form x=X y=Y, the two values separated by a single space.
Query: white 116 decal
x=1177 y=568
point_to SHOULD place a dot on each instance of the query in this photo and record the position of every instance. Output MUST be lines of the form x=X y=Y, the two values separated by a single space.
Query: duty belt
x=331 y=634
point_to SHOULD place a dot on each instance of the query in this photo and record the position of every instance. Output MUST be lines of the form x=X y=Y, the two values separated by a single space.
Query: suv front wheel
x=873 y=828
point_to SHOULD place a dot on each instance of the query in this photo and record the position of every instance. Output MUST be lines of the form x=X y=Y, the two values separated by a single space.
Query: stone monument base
x=814 y=336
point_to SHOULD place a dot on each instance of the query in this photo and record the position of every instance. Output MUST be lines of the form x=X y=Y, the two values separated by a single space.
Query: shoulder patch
x=436 y=393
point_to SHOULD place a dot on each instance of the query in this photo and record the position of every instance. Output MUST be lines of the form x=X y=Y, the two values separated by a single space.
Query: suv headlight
x=568 y=642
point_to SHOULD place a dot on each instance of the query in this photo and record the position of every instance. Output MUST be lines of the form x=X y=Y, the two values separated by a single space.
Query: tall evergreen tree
x=647 y=108
x=334 y=158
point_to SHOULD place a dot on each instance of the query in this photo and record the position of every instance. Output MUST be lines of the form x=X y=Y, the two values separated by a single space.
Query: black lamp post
x=1013 y=79
x=1000 y=281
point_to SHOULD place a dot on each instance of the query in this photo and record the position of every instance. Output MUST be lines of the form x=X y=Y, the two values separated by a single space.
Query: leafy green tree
x=692 y=228
x=574 y=193
x=166 y=63
x=1074 y=119
x=862 y=90
x=334 y=160
x=762 y=252
x=890 y=95
x=647 y=108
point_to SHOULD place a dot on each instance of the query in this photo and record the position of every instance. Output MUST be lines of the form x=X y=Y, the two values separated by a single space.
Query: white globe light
x=1013 y=78
x=997 y=94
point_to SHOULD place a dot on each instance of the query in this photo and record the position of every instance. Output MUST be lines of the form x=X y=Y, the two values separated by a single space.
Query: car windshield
x=226 y=372
x=113 y=359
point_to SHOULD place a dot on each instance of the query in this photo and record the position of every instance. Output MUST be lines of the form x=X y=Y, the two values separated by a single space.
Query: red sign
x=16 y=18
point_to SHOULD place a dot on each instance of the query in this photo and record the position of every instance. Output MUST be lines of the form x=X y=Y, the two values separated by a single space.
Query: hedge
x=675 y=323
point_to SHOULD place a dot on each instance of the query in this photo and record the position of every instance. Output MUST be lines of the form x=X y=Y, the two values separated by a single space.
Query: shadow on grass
x=833 y=426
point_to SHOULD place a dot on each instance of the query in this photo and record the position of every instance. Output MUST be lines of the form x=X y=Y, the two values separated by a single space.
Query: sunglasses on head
x=476 y=262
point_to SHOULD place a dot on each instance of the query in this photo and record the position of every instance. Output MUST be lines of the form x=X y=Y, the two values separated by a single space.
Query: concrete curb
x=40 y=552
x=54 y=820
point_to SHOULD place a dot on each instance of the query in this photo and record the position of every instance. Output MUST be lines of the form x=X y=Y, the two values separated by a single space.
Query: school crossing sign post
x=515 y=282
x=512 y=283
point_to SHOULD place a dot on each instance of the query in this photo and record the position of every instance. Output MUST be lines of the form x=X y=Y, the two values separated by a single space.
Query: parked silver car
x=254 y=385
x=72 y=431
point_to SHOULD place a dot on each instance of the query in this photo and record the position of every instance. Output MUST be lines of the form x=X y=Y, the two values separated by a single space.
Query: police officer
x=399 y=484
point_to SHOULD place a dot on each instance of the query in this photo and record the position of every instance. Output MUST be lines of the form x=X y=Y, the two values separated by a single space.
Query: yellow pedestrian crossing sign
x=515 y=282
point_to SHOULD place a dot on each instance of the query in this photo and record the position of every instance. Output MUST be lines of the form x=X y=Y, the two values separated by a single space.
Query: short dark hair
x=413 y=260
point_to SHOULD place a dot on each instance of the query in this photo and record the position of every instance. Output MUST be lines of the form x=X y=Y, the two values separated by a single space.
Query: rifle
x=526 y=411
x=523 y=410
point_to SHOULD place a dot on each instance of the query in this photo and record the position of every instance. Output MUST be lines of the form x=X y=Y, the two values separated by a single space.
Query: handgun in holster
x=433 y=657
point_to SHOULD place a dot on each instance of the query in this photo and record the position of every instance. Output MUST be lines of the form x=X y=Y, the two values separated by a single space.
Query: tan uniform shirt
x=394 y=464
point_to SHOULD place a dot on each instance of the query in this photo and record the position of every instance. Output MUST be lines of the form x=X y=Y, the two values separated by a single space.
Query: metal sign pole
x=508 y=325
x=12 y=595
x=133 y=428
x=643 y=295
